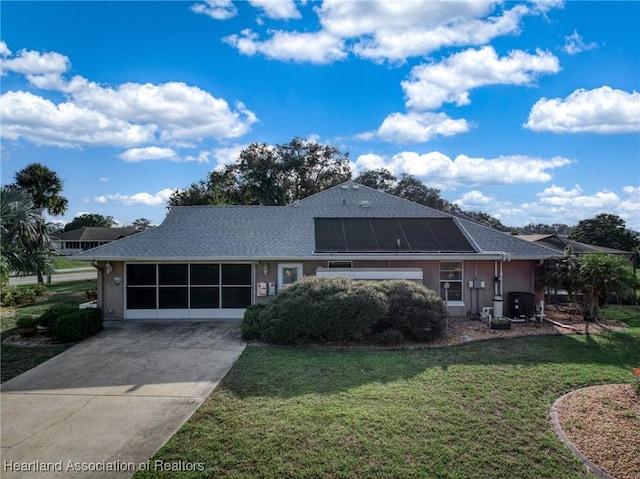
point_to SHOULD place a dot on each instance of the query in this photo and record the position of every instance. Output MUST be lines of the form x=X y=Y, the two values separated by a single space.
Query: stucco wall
x=517 y=276
x=111 y=295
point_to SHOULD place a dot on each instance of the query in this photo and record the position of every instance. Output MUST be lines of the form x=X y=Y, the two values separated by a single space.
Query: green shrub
x=69 y=328
x=390 y=337
x=49 y=317
x=414 y=310
x=16 y=295
x=28 y=321
x=250 y=327
x=74 y=325
x=324 y=310
x=317 y=309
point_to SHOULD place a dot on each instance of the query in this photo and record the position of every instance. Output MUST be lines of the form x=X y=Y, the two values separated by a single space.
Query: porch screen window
x=141 y=286
x=236 y=285
x=188 y=286
x=173 y=286
x=451 y=272
x=205 y=286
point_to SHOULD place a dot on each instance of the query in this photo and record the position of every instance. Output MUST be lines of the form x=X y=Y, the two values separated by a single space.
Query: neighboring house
x=560 y=244
x=87 y=237
x=208 y=262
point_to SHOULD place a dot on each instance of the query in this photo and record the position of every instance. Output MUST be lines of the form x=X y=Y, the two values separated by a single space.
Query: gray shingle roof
x=94 y=233
x=263 y=232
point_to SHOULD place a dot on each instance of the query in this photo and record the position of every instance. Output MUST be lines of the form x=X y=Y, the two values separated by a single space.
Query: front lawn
x=474 y=411
x=14 y=359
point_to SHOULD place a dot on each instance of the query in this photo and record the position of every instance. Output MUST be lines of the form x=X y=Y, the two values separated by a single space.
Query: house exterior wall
x=518 y=276
x=110 y=294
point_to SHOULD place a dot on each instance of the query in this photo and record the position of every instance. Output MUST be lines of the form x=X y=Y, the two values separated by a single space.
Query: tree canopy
x=606 y=230
x=270 y=175
x=90 y=219
x=44 y=186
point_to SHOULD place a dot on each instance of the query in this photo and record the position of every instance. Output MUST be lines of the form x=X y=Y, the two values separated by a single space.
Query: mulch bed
x=603 y=422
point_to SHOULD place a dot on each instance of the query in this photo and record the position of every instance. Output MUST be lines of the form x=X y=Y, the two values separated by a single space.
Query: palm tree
x=25 y=246
x=602 y=274
x=44 y=186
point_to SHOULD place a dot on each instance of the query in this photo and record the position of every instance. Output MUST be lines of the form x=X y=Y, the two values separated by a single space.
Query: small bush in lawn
x=28 y=321
x=414 y=310
x=317 y=309
x=75 y=325
x=49 y=317
x=250 y=327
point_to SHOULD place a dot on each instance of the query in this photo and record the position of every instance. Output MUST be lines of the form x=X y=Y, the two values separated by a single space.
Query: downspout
x=498 y=301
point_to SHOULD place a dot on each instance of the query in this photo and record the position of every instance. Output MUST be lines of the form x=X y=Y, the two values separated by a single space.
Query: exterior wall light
x=108 y=268
x=265 y=268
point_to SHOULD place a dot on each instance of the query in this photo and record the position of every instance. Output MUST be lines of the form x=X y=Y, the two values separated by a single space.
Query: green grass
x=62 y=262
x=474 y=411
x=16 y=360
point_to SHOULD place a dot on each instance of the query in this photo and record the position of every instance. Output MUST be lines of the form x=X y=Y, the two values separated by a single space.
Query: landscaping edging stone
x=557 y=428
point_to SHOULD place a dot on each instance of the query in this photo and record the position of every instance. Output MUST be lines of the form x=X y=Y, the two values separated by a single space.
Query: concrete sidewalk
x=102 y=408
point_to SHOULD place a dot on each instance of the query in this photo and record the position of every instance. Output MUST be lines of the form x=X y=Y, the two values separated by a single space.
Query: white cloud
x=4 y=49
x=558 y=204
x=433 y=84
x=420 y=35
x=474 y=200
x=180 y=111
x=216 y=9
x=227 y=155
x=127 y=115
x=447 y=173
x=315 y=47
x=385 y=31
x=137 y=155
x=574 y=43
x=105 y=179
x=25 y=115
x=415 y=127
x=32 y=63
x=602 y=110
x=277 y=9
x=158 y=199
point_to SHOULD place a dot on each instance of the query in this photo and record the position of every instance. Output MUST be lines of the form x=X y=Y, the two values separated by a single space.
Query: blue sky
x=527 y=111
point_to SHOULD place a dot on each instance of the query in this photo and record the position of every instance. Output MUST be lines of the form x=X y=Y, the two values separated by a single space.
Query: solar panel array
x=389 y=235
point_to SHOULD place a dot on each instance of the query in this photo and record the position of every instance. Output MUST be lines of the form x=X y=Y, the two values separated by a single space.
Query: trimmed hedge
x=68 y=325
x=321 y=310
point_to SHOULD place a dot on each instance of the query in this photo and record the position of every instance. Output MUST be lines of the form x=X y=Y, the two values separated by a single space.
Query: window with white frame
x=288 y=273
x=451 y=273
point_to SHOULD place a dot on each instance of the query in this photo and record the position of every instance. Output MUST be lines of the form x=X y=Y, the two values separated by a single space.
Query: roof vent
x=364 y=204
x=345 y=187
x=355 y=187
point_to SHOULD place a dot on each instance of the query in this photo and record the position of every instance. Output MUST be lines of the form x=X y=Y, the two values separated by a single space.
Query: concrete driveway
x=105 y=406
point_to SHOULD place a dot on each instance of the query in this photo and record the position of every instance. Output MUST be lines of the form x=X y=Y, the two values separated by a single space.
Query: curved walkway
x=105 y=406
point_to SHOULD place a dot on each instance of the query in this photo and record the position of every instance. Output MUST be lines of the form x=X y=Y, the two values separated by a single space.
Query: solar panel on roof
x=429 y=235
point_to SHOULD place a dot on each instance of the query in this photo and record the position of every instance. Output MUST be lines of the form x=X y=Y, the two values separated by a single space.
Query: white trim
x=414 y=274
x=185 y=314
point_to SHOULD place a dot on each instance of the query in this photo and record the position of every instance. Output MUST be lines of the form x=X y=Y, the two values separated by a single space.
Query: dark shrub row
x=320 y=310
x=68 y=324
